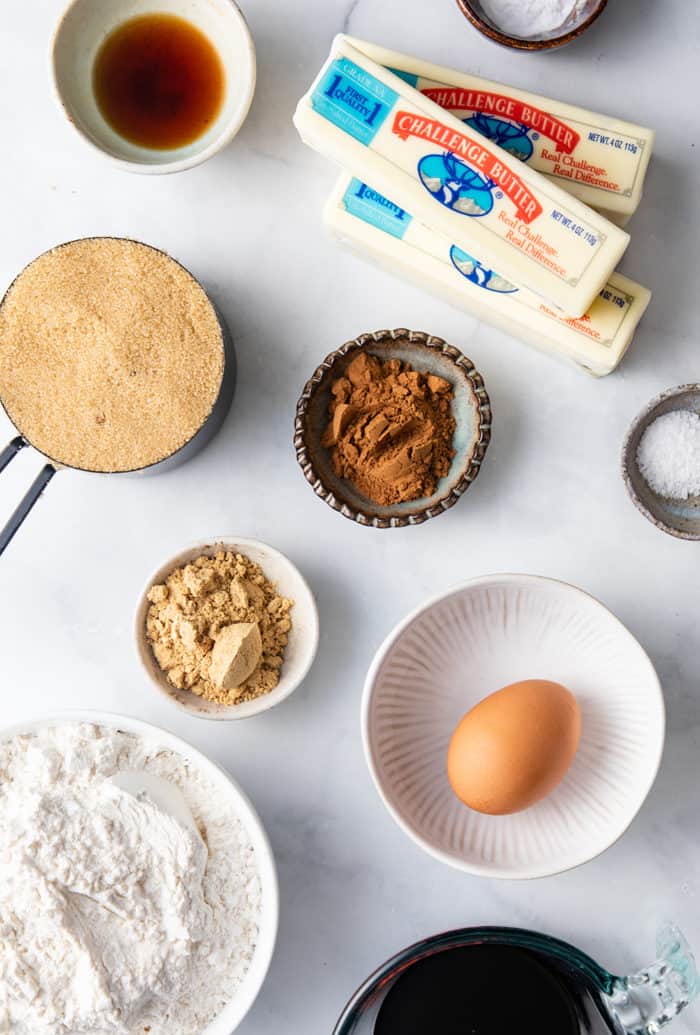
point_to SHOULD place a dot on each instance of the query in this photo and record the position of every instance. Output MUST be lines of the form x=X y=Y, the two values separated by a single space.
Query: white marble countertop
x=550 y=499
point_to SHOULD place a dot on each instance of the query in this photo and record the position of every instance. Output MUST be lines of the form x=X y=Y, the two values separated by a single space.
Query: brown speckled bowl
x=575 y=27
x=471 y=407
x=680 y=518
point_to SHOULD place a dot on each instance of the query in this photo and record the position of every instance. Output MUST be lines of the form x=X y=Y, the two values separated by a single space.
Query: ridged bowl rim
x=421 y=513
x=494 y=871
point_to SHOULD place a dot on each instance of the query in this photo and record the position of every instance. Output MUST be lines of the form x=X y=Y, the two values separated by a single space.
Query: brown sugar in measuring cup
x=112 y=359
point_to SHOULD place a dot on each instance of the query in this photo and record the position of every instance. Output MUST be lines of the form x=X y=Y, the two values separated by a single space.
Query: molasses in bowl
x=493 y=980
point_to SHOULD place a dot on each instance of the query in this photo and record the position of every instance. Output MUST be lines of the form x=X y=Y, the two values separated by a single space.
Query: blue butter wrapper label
x=372 y=207
x=408 y=77
x=480 y=275
x=353 y=100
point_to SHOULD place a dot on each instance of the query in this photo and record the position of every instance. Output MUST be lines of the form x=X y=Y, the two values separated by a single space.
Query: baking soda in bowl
x=531 y=19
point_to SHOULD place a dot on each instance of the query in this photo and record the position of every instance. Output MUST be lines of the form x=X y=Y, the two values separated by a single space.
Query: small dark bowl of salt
x=661 y=462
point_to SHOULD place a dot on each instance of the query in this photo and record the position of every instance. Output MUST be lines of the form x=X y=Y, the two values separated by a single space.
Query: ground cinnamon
x=390 y=429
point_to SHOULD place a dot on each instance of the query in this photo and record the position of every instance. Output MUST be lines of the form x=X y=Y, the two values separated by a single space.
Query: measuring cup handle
x=646 y=1002
x=28 y=500
x=10 y=451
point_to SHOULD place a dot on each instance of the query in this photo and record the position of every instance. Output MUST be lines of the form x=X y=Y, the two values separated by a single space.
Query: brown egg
x=514 y=747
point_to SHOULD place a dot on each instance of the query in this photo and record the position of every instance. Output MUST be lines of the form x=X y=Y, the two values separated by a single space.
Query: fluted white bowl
x=461 y=646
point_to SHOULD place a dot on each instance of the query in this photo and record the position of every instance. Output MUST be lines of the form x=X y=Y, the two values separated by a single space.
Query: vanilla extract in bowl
x=159 y=81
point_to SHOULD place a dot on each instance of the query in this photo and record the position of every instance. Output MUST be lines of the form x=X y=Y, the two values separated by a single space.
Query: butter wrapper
x=375 y=226
x=600 y=159
x=486 y=201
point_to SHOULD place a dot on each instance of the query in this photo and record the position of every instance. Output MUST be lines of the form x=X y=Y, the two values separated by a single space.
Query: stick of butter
x=384 y=131
x=359 y=216
x=601 y=160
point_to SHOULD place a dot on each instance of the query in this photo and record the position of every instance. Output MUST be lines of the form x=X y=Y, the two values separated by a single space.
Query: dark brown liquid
x=478 y=990
x=158 y=81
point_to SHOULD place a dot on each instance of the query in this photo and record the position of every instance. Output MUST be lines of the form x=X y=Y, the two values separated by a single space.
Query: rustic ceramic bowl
x=471 y=407
x=303 y=638
x=680 y=518
x=476 y=638
x=79 y=36
x=575 y=26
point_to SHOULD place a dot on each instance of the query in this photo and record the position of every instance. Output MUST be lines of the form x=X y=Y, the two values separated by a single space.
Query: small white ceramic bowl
x=303 y=637
x=463 y=645
x=82 y=30
x=235 y=1010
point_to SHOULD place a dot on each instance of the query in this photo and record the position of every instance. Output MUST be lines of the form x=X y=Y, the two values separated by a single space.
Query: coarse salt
x=669 y=455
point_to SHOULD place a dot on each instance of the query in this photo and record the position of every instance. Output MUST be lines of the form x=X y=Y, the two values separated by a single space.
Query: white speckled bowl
x=82 y=30
x=463 y=645
x=303 y=637
x=234 y=1012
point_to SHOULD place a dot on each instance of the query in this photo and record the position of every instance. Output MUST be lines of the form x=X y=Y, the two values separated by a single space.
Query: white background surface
x=549 y=499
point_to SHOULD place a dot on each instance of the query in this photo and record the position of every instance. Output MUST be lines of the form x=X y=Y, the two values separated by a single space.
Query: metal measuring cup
x=197 y=441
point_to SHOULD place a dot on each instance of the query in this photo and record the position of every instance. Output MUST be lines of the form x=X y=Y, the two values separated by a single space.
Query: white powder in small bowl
x=669 y=455
x=530 y=19
x=115 y=918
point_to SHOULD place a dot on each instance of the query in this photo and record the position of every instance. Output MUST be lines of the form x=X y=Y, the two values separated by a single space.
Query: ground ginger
x=199 y=602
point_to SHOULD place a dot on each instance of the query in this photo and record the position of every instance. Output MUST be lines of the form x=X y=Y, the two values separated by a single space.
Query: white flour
x=114 y=917
x=530 y=18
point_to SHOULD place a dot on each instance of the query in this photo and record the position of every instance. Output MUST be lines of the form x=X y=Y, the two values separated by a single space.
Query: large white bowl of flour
x=121 y=918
